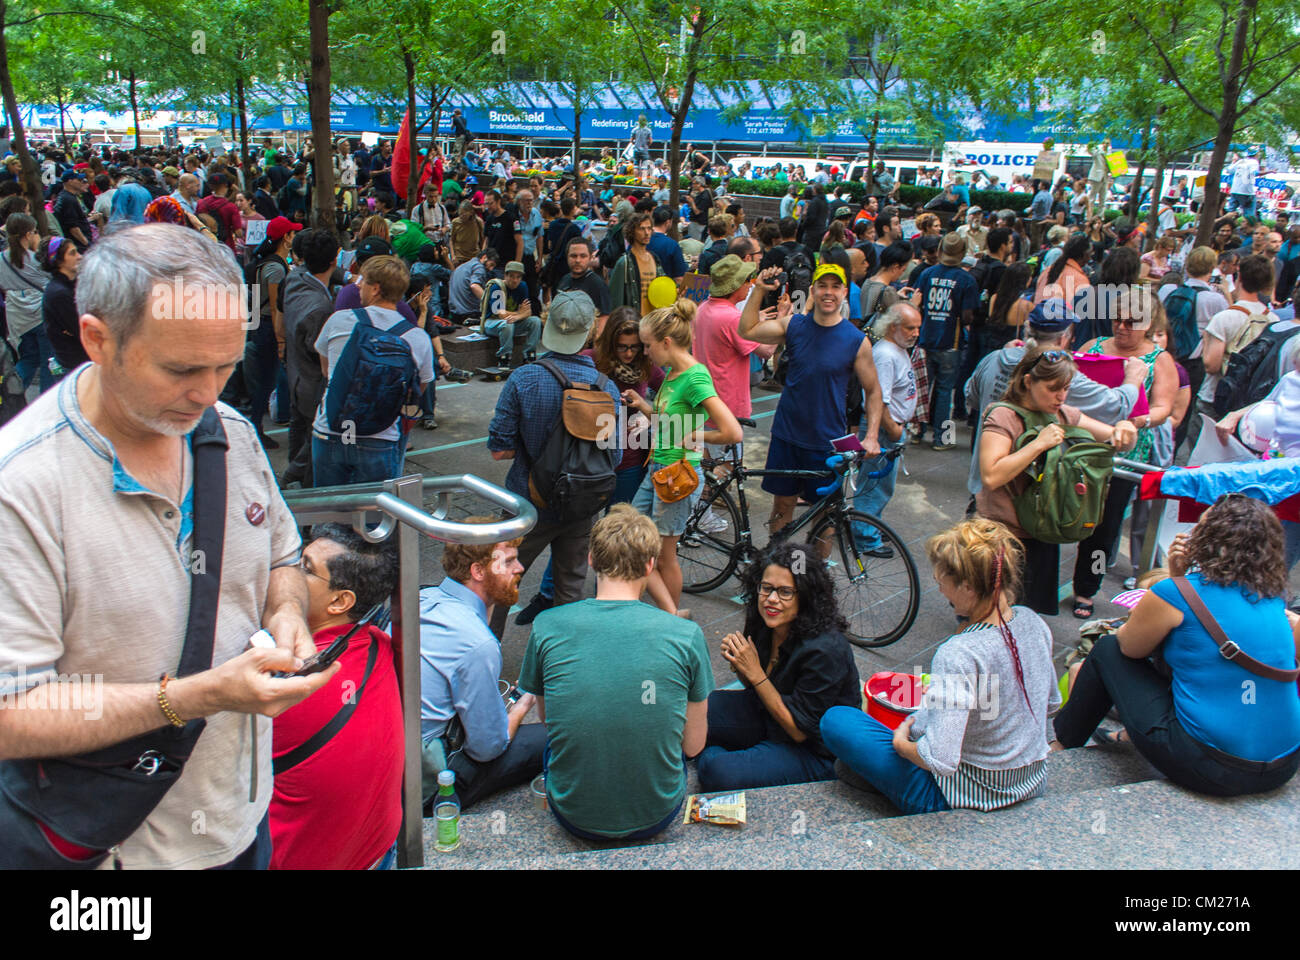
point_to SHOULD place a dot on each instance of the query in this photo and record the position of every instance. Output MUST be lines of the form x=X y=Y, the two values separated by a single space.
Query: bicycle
x=878 y=590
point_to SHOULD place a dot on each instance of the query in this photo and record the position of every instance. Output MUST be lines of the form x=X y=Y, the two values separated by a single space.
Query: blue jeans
x=335 y=463
x=740 y=752
x=507 y=333
x=867 y=746
x=942 y=367
x=872 y=494
x=261 y=365
x=626 y=483
x=1291 y=531
x=1244 y=203
x=388 y=861
x=34 y=354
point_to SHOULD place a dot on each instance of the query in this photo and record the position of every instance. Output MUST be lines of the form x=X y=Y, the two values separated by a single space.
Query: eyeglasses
x=306 y=569
x=629 y=347
x=1130 y=324
x=767 y=589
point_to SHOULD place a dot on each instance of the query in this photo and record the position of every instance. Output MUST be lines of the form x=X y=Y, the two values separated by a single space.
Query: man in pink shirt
x=718 y=344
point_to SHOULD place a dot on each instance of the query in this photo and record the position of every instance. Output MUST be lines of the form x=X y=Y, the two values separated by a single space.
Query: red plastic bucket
x=891 y=697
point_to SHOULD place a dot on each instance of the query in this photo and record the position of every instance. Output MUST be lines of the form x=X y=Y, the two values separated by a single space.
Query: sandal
x=1111 y=738
x=1082 y=609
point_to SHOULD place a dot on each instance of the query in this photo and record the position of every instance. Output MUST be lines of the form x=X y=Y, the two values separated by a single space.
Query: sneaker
x=941 y=446
x=710 y=522
x=503 y=363
x=881 y=551
x=428 y=423
x=530 y=356
x=535 y=606
x=918 y=438
x=459 y=375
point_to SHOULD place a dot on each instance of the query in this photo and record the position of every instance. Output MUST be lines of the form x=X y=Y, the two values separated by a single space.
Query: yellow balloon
x=662 y=292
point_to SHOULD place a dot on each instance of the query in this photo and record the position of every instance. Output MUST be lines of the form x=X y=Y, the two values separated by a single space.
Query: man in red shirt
x=219 y=205
x=718 y=344
x=340 y=807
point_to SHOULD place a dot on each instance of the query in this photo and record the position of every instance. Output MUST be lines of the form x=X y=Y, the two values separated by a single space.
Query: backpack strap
x=553 y=369
x=363 y=318
x=1228 y=649
x=209 y=444
x=328 y=732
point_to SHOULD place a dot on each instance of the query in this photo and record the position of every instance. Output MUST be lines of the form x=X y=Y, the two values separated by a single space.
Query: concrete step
x=508 y=831
x=476 y=354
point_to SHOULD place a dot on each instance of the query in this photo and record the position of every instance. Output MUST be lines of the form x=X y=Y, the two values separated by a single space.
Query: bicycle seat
x=746 y=422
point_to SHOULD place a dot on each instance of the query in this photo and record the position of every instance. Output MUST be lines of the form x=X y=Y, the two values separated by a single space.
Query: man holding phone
x=99 y=476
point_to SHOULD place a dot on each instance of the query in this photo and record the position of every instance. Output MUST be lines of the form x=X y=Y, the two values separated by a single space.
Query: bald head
x=858 y=263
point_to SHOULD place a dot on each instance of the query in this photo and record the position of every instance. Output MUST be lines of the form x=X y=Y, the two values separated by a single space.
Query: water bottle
x=446 y=813
x=56 y=368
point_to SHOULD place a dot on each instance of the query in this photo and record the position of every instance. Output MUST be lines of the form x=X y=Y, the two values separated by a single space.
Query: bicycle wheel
x=707 y=550
x=878 y=595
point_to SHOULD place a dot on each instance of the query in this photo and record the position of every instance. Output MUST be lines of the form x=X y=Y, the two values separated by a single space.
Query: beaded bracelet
x=172 y=717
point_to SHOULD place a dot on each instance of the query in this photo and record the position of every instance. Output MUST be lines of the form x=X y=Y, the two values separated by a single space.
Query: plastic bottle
x=446 y=812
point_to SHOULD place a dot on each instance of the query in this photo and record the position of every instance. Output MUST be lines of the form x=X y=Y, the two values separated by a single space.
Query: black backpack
x=1251 y=373
x=574 y=475
x=799 y=273
x=611 y=249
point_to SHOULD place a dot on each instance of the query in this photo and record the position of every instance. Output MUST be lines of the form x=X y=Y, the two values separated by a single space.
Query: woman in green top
x=682 y=405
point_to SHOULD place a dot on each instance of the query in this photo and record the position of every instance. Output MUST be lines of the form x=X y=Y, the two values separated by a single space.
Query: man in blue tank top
x=825 y=350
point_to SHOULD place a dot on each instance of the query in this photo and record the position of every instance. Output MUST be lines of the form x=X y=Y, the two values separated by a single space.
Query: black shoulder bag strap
x=1228 y=649
x=210 y=445
x=328 y=732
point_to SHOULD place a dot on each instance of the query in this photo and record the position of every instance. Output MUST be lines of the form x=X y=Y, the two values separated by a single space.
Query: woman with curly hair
x=1204 y=721
x=795 y=664
x=979 y=739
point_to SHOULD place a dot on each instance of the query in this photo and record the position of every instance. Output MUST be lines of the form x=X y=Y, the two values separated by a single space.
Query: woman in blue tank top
x=1208 y=723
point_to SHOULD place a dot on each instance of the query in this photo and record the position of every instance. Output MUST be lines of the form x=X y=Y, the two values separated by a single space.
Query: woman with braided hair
x=980 y=737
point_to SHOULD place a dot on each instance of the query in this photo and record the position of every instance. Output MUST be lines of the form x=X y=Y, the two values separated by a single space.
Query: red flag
x=401 y=168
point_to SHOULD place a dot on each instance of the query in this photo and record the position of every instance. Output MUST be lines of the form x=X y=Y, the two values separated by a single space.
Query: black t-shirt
x=71 y=214
x=988 y=273
x=590 y=284
x=703 y=207
x=279 y=175
x=499 y=234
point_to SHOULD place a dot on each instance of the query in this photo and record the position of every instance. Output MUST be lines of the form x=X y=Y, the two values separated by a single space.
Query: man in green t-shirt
x=623 y=689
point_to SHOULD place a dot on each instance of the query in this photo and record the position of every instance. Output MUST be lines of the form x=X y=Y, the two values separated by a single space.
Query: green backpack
x=1066 y=493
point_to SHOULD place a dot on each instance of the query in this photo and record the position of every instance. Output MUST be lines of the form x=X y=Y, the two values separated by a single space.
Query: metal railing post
x=406 y=632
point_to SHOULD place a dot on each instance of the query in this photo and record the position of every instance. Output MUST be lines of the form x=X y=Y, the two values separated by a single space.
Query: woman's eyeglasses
x=629 y=347
x=767 y=589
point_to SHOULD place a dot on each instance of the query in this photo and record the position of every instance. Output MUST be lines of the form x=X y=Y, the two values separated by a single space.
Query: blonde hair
x=623 y=542
x=373 y=226
x=675 y=323
x=390 y=273
x=981 y=554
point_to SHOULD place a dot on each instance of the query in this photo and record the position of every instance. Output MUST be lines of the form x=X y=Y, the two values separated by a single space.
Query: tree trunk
x=1227 y=123
x=871 y=155
x=31 y=173
x=243 y=134
x=413 y=166
x=1157 y=185
x=1135 y=188
x=318 y=95
x=63 y=131
x=577 y=135
x=135 y=110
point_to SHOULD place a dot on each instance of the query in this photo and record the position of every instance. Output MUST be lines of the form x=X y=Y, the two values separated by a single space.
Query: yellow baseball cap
x=831 y=270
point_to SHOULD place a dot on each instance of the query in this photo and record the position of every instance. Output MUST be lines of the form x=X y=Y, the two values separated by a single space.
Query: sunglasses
x=1052 y=356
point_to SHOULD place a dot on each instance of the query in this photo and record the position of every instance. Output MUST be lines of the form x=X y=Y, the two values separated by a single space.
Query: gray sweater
x=989 y=382
x=974 y=712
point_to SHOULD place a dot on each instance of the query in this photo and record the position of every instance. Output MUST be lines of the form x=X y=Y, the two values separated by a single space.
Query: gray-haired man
x=97 y=476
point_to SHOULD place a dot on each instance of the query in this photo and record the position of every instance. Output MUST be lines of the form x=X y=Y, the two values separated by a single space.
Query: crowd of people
x=874 y=320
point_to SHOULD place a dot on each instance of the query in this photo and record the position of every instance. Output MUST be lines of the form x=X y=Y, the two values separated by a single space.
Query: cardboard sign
x=1117 y=163
x=1045 y=165
x=1109 y=372
x=254 y=232
x=695 y=287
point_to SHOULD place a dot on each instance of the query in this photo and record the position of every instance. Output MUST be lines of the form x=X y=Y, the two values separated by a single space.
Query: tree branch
x=1291 y=73
x=1173 y=73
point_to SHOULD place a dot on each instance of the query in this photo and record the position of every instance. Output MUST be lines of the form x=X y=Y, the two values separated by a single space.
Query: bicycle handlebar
x=836 y=460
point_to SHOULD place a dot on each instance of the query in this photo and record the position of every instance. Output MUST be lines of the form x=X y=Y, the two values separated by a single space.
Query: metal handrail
x=400 y=506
